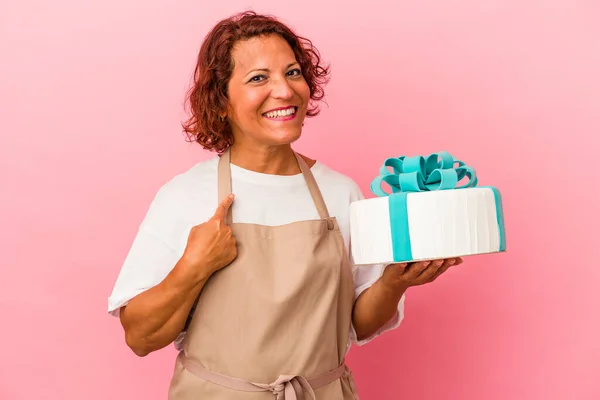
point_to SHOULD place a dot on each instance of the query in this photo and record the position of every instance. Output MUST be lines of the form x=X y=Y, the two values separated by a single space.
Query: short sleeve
x=149 y=260
x=364 y=277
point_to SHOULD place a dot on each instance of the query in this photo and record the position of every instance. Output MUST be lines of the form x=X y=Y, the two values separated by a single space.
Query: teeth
x=280 y=113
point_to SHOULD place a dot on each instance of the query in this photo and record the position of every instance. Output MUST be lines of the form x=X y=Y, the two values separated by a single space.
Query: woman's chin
x=287 y=136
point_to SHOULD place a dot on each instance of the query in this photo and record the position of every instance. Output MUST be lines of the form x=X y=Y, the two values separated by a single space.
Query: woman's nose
x=281 y=89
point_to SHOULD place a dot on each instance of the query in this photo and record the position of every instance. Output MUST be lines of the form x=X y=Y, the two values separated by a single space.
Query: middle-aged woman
x=259 y=293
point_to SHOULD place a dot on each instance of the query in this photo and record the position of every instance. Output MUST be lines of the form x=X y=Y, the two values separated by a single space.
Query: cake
x=428 y=214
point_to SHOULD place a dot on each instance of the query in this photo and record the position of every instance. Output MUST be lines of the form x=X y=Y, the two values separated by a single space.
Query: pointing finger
x=223 y=208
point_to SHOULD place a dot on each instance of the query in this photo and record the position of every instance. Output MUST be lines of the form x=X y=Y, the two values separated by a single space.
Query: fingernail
x=426 y=263
x=439 y=262
x=451 y=262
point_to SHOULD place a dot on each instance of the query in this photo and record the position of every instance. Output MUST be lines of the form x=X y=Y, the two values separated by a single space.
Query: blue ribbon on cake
x=438 y=171
x=418 y=174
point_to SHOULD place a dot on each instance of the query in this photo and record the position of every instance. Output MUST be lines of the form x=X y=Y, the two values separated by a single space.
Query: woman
x=258 y=294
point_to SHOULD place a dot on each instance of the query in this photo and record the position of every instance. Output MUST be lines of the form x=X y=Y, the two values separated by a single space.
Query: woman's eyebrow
x=267 y=69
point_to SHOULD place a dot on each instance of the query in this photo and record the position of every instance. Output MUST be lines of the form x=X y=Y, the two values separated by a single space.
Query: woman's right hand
x=211 y=245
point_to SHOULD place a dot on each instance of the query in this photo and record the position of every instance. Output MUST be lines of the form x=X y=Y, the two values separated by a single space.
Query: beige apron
x=273 y=324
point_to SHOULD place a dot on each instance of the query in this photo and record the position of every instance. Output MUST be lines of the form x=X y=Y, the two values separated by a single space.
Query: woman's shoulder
x=331 y=179
x=191 y=184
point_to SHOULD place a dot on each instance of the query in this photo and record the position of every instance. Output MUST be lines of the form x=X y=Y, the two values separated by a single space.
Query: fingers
x=429 y=272
x=440 y=271
x=400 y=267
x=414 y=270
x=233 y=249
x=443 y=266
x=421 y=272
x=223 y=208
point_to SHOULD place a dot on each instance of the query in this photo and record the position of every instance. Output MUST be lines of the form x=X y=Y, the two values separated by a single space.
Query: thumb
x=223 y=207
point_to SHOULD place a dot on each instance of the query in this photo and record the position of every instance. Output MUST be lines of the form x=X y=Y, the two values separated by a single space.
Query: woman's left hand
x=401 y=276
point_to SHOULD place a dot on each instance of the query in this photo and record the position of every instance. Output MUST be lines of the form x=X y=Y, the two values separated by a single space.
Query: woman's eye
x=256 y=78
x=295 y=72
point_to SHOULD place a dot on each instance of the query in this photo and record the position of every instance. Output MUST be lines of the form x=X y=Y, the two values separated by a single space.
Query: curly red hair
x=207 y=98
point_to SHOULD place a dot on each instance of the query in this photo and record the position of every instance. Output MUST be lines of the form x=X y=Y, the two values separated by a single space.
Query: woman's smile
x=281 y=114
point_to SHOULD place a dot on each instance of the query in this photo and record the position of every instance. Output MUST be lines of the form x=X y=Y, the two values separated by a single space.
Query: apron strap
x=286 y=387
x=315 y=192
x=224 y=184
x=224 y=181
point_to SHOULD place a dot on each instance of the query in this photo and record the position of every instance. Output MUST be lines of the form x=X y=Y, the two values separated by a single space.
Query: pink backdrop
x=91 y=96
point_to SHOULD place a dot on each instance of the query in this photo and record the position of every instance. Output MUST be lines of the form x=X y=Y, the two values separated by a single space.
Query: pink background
x=91 y=101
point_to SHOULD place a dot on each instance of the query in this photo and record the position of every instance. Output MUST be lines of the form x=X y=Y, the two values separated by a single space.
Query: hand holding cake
x=401 y=276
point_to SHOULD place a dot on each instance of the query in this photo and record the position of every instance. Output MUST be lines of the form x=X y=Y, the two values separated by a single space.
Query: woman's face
x=268 y=96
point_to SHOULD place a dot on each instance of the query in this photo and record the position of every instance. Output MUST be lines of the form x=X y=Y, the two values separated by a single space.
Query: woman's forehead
x=271 y=52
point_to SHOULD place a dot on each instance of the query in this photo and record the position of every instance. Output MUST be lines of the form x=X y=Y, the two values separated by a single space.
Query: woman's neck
x=275 y=160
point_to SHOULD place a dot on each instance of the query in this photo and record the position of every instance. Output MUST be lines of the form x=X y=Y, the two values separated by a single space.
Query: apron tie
x=286 y=387
x=290 y=387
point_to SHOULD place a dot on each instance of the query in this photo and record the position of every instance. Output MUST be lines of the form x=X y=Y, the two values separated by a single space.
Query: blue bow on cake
x=420 y=174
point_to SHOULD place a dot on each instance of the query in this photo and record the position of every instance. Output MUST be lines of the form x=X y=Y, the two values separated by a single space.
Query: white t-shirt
x=190 y=198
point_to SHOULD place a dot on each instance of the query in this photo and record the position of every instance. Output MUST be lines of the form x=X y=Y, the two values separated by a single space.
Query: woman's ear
x=225 y=111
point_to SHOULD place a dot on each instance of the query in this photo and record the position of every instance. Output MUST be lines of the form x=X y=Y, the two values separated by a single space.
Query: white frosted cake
x=427 y=216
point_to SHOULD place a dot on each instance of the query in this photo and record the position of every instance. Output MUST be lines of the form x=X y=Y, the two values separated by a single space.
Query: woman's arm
x=155 y=317
x=374 y=308
x=377 y=305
